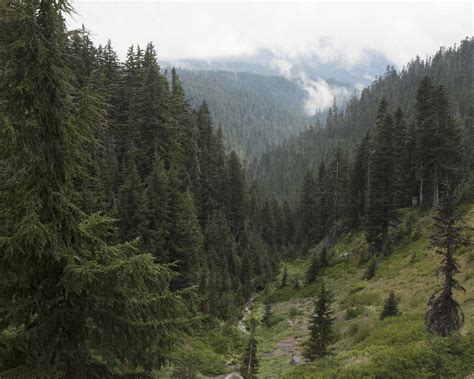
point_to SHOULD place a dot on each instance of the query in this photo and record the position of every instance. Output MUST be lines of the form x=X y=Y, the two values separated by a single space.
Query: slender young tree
x=321 y=327
x=284 y=277
x=250 y=362
x=444 y=314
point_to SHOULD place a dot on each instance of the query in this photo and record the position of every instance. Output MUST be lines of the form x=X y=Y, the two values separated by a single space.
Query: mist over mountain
x=321 y=77
x=263 y=98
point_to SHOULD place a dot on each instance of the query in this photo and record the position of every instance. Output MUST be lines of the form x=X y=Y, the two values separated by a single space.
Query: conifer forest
x=249 y=216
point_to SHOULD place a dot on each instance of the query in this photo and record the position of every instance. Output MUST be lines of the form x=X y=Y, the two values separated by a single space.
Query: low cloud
x=337 y=32
x=320 y=95
x=283 y=66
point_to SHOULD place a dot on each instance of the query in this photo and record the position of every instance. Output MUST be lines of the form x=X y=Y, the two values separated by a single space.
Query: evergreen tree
x=188 y=136
x=308 y=211
x=371 y=269
x=290 y=227
x=390 y=307
x=335 y=192
x=314 y=270
x=237 y=195
x=222 y=264
x=268 y=227
x=267 y=314
x=249 y=368
x=359 y=183
x=439 y=144
x=186 y=240
x=403 y=162
x=131 y=203
x=69 y=301
x=320 y=328
x=158 y=193
x=284 y=278
x=380 y=211
x=323 y=258
x=444 y=314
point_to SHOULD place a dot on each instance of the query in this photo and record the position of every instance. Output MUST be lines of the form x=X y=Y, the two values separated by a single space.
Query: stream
x=241 y=325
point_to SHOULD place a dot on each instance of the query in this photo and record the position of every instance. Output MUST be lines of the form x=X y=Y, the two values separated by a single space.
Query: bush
x=294 y=312
x=354 y=312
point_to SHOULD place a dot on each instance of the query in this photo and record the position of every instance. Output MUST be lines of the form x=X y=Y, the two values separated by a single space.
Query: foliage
x=390 y=308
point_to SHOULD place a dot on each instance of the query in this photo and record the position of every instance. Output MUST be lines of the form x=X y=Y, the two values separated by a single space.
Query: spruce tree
x=444 y=314
x=323 y=257
x=439 y=147
x=158 y=196
x=267 y=314
x=380 y=212
x=335 y=192
x=371 y=269
x=222 y=264
x=404 y=164
x=314 y=270
x=358 y=183
x=237 y=195
x=284 y=277
x=390 y=307
x=69 y=301
x=321 y=327
x=131 y=203
x=249 y=367
x=308 y=211
x=186 y=240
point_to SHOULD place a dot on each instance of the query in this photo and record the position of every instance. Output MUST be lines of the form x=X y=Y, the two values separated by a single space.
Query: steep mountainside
x=367 y=347
x=256 y=112
x=264 y=98
x=281 y=170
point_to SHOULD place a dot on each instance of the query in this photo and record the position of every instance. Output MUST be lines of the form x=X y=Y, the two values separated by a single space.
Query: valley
x=289 y=194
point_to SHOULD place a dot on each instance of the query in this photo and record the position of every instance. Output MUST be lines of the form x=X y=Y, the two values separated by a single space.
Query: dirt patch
x=288 y=347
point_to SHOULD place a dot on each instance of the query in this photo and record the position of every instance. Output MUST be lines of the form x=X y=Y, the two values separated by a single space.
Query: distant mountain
x=256 y=112
x=265 y=62
x=281 y=170
x=264 y=98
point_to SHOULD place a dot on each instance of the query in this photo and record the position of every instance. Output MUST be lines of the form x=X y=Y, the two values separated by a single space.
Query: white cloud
x=334 y=31
x=320 y=94
x=283 y=66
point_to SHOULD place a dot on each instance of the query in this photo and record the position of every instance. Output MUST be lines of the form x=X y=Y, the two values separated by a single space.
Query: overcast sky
x=343 y=30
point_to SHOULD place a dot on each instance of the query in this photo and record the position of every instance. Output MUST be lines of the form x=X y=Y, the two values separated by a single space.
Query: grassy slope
x=367 y=347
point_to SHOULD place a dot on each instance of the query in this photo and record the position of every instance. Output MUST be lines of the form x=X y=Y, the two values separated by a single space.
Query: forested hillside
x=134 y=242
x=256 y=112
x=282 y=169
x=125 y=221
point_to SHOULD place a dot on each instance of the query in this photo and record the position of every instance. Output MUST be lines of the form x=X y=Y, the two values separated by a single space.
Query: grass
x=367 y=347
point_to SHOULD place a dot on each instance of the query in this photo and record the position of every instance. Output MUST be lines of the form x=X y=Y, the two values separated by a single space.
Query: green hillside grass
x=366 y=347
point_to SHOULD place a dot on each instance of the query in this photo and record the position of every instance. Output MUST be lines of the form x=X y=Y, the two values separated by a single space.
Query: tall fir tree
x=237 y=195
x=308 y=212
x=186 y=240
x=359 y=183
x=131 y=204
x=380 y=211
